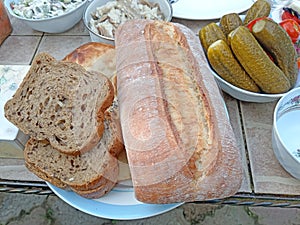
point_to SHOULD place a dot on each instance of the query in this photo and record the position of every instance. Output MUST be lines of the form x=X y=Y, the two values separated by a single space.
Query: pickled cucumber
x=224 y=63
x=229 y=22
x=257 y=63
x=278 y=43
x=209 y=34
x=260 y=8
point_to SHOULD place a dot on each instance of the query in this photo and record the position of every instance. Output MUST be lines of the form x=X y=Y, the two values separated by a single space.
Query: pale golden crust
x=173 y=119
x=95 y=56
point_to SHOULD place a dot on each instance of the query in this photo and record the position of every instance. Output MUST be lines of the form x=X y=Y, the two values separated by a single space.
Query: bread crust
x=179 y=141
x=53 y=180
x=95 y=56
x=100 y=170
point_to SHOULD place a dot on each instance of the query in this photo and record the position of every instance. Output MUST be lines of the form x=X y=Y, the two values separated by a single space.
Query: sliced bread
x=90 y=174
x=62 y=103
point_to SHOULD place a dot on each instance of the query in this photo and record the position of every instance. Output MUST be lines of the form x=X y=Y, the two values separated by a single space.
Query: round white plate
x=205 y=10
x=118 y=204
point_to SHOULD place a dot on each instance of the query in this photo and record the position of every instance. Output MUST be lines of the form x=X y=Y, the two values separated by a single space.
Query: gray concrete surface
x=31 y=209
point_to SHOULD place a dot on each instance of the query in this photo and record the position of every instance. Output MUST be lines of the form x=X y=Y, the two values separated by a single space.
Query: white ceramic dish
x=165 y=7
x=57 y=24
x=119 y=204
x=206 y=10
x=285 y=133
x=248 y=96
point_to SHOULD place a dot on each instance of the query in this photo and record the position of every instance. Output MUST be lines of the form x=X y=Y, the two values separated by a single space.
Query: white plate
x=205 y=10
x=118 y=204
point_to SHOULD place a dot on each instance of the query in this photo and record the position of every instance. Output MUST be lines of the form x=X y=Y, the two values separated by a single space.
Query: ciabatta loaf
x=63 y=103
x=178 y=138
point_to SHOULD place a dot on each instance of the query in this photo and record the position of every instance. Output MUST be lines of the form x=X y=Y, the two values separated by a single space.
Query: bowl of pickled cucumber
x=51 y=16
x=252 y=57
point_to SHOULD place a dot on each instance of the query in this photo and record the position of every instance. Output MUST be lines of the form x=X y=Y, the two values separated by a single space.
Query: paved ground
x=31 y=209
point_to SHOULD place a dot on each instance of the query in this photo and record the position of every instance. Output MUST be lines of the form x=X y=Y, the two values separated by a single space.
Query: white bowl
x=245 y=95
x=57 y=24
x=165 y=7
x=285 y=133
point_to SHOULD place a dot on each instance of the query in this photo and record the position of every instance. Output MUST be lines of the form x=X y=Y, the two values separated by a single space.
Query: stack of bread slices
x=71 y=115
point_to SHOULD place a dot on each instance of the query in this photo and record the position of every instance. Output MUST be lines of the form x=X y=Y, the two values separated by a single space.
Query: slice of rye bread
x=91 y=174
x=61 y=102
x=96 y=56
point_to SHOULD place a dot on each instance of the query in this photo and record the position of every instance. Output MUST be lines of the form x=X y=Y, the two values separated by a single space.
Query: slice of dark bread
x=61 y=102
x=90 y=174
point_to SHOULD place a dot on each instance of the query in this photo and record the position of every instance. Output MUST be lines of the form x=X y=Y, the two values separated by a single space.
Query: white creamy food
x=37 y=9
x=105 y=19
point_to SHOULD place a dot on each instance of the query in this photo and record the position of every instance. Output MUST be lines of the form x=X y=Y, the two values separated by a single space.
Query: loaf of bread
x=91 y=174
x=61 y=102
x=95 y=56
x=178 y=138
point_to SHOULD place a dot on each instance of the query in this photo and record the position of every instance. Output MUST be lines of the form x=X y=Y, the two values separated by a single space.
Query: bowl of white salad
x=51 y=16
x=102 y=17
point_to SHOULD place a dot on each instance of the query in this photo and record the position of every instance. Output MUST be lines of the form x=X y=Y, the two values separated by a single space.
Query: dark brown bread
x=90 y=174
x=96 y=56
x=87 y=182
x=61 y=102
x=179 y=141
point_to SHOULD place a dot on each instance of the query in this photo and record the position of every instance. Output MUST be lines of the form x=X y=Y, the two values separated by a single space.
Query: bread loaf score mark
x=182 y=106
x=165 y=115
x=167 y=92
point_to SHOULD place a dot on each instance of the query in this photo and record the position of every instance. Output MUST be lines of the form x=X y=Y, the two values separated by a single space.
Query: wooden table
x=265 y=182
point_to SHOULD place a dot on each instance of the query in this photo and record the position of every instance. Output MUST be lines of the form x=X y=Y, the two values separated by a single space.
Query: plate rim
x=137 y=210
x=218 y=15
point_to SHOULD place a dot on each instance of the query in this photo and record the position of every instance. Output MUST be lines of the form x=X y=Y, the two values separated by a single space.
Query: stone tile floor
x=31 y=209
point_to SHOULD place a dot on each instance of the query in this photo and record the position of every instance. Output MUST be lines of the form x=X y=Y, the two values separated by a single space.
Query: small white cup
x=286 y=132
